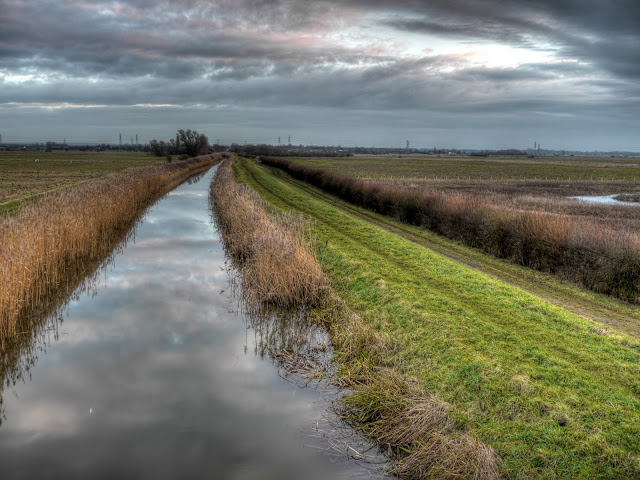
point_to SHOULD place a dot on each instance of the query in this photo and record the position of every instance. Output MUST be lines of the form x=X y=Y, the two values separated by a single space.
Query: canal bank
x=155 y=372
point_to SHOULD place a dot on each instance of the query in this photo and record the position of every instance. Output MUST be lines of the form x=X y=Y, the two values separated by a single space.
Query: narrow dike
x=567 y=247
x=413 y=427
x=48 y=248
x=507 y=368
x=609 y=311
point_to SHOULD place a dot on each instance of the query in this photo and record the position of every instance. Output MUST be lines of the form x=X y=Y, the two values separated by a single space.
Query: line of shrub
x=44 y=246
x=573 y=248
x=273 y=252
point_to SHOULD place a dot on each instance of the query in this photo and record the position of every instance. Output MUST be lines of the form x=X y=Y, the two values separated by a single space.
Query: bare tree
x=157 y=148
x=193 y=143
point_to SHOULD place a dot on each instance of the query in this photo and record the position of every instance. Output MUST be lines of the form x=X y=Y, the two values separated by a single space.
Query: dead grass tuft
x=445 y=458
x=416 y=430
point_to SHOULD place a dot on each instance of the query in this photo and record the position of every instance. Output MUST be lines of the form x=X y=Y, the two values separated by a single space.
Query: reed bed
x=46 y=245
x=273 y=252
x=579 y=249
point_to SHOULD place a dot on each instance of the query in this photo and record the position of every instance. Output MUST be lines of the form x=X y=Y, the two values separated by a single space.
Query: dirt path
x=602 y=310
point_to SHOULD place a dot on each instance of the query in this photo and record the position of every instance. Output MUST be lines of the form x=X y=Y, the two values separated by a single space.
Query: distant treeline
x=290 y=150
x=576 y=249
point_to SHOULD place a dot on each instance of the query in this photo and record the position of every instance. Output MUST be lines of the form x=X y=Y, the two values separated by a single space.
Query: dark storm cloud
x=298 y=54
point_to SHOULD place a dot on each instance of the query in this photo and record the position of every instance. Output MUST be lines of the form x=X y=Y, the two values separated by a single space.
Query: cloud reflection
x=151 y=379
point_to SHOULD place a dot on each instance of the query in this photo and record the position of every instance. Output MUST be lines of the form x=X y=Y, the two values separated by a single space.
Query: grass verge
x=509 y=373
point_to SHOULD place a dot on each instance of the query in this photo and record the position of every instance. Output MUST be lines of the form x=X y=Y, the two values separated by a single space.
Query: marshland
x=474 y=327
x=148 y=361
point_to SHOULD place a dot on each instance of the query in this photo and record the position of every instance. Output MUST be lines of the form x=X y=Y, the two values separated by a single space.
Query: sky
x=439 y=73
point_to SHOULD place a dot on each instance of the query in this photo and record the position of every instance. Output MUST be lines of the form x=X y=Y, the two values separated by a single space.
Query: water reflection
x=300 y=349
x=153 y=373
x=40 y=327
x=615 y=199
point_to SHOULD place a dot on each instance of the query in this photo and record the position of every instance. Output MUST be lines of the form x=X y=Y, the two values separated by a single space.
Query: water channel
x=156 y=373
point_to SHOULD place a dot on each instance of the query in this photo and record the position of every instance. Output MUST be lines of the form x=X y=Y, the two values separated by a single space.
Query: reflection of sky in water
x=605 y=200
x=149 y=378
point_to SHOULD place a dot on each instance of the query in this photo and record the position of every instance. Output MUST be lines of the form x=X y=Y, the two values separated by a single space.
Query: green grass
x=23 y=179
x=530 y=379
x=480 y=168
x=604 y=309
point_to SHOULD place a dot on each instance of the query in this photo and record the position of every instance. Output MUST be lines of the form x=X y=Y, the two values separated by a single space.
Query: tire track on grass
x=542 y=285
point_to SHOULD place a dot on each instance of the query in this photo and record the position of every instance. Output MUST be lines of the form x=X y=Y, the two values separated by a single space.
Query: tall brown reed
x=576 y=248
x=45 y=244
x=273 y=251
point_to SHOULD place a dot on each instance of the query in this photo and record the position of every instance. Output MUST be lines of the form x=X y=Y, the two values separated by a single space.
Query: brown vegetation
x=44 y=246
x=575 y=248
x=273 y=252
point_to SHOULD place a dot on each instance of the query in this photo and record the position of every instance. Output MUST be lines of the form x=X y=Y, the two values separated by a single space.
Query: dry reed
x=44 y=245
x=273 y=252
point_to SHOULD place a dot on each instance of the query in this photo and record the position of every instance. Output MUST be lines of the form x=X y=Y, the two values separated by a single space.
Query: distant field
x=540 y=184
x=27 y=175
x=481 y=168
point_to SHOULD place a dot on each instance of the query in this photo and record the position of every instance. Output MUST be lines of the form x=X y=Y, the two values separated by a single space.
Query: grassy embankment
x=553 y=394
x=573 y=247
x=45 y=245
x=27 y=176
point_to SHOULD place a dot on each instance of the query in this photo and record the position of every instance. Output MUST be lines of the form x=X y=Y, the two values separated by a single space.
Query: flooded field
x=615 y=199
x=156 y=373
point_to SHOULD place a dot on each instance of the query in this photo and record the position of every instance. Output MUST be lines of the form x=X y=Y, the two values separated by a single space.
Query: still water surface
x=605 y=200
x=159 y=376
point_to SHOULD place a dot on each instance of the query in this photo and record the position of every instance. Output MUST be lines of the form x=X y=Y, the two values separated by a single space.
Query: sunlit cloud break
x=463 y=73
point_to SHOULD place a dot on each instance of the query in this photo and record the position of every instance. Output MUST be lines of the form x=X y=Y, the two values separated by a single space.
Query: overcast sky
x=444 y=73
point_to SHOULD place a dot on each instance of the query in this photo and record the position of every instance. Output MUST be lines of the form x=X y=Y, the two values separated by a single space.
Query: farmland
x=27 y=175
x=504 y=360
x=533 y=184
x=388 y=167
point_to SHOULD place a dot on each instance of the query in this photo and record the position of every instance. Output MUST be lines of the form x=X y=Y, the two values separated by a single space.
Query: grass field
x=27 y=175
x=543 y=380
x=481 y=168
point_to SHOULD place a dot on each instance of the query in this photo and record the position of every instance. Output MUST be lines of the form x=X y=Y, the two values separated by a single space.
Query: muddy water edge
x=153 y=370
